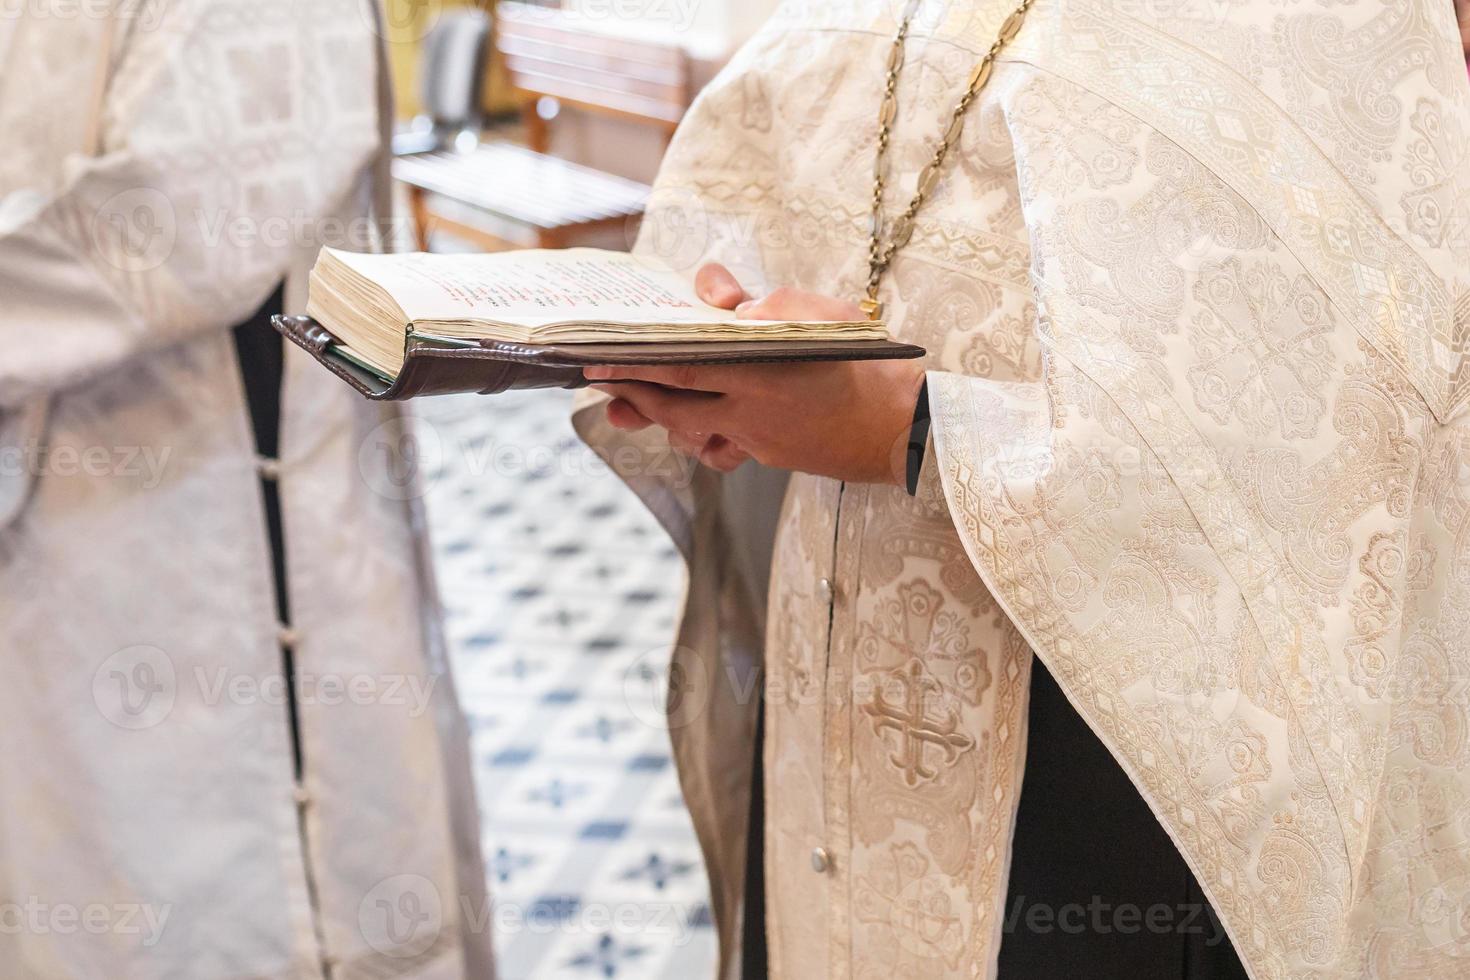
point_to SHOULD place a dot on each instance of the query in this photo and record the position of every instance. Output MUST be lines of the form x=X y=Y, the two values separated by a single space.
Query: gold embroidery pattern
x=927 y=738
x=1391 y=293
x=1261 y=349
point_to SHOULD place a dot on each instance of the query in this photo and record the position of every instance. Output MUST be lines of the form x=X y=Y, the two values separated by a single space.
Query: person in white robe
x=1194 y=282
x=177 y=801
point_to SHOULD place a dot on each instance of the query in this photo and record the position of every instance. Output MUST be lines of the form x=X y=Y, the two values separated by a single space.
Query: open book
x=374 y=305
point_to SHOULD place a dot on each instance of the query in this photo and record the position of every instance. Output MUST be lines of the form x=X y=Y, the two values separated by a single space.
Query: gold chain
x=880 y=255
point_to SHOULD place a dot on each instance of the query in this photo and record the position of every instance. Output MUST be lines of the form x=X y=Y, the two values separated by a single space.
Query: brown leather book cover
x=439 y=368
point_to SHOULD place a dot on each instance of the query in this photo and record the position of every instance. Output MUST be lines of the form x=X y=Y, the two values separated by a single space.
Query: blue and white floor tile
x=561 y=593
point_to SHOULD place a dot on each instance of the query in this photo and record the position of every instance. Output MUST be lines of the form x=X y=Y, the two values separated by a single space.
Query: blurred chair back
x=456 y=57
x=552 y=54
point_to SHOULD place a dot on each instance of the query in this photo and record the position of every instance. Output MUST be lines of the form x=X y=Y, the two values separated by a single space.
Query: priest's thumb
x=717 y=286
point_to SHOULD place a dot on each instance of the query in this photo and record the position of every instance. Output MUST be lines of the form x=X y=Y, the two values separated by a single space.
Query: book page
x=537 y=286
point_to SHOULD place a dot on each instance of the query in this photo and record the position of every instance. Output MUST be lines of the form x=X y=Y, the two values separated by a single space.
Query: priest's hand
x=1462 y=11
x=846 y=419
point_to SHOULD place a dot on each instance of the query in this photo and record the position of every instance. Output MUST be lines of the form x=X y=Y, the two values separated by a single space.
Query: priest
x=1142 y=603
x=229 y=743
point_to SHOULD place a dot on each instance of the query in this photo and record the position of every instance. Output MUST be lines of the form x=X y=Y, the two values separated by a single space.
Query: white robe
x=1196 y=293
x=165 y=166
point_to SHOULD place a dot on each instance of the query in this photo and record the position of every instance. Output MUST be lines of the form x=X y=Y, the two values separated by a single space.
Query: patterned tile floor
x=561 y=594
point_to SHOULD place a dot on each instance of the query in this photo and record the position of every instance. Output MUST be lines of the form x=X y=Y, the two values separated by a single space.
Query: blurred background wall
x=708 y=30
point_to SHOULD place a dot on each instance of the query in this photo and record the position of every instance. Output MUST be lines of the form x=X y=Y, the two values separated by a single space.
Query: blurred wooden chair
x=497 y=192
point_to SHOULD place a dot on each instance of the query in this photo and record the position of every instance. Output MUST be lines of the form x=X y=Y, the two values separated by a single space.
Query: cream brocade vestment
x=165 y=166
x=1195 y=289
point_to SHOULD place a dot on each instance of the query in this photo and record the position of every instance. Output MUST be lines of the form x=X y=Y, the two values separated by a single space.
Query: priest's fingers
x=722 y=454
x=717 y=286
x=688 y=443
x=796 y=304
x=622 y=415
x=685 y=376
x=677 y=411
x=714 y=451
